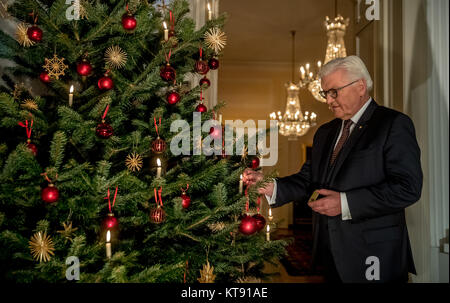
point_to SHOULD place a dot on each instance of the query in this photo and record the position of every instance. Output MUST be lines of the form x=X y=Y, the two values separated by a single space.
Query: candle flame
x=241 y=176
x=209 y=7
x=165 y=25
x=71 y=89
x=158 y=162
x=270 y=211
x=108 y=236
x=268 y=228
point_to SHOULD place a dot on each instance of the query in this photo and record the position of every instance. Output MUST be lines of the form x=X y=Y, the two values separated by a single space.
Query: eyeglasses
x=333 y=92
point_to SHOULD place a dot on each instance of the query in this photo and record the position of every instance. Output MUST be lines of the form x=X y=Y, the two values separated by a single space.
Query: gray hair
x=353 y=65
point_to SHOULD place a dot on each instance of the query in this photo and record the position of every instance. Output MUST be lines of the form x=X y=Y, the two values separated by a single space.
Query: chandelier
x=293 y=123
x=335 y=49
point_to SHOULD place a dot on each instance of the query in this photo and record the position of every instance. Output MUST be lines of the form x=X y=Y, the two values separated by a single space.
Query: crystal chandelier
x=293 y=123
x=335 y=49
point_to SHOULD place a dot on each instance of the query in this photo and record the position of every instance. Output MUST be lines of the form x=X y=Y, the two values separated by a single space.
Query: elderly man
x=365 y=166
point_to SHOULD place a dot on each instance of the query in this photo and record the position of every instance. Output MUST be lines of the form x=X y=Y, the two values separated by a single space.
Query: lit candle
x=108 y=244
x=166 y=31
x=307 y=68
x=319 y=64
x=209 y=12
x=310 y=75
x=270 y=217
x=241 y=185
x=71 y=95
x=220 y=118
x=158 y=170
x=268 y=233
x=302 y=70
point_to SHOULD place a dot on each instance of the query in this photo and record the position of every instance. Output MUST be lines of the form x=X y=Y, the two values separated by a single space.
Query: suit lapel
x=359 y=129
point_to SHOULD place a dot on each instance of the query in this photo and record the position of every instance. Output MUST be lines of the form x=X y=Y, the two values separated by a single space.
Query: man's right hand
x=251 y=177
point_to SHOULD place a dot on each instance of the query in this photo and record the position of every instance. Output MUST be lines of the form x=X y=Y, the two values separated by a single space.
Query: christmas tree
x=86 y=172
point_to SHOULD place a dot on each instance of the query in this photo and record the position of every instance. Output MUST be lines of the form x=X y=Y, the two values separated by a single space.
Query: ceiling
x=259 y=30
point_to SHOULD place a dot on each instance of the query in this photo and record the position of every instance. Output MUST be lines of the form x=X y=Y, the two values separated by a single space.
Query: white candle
x=166 y=31
x=220 y=118
x=241 y=185
x=108 y=244
x=71 y=95
x=270 y=217
x=209 y=12
x=268 y=233
x=158 y=170
x=307 y=68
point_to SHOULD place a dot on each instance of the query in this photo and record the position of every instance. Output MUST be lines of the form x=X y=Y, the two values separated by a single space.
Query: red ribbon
x=109 y=201
x=172 y=22
x=156 y=197
x=156 y=126
x=201 y=96
x=28 y=130
x=258 y=202
x=106 y=111
x=201 y=53
x=185 y=271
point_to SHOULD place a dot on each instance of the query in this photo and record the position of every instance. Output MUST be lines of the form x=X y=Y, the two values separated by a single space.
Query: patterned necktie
x=342 y=139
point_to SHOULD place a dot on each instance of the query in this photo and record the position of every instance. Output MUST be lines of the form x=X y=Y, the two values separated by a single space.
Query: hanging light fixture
x=335 y=49
x=293 y=123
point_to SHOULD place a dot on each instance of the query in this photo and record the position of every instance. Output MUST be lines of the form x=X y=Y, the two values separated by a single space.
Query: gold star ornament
x=206 y=274
x=55 y=67
x=41 y=246
x=67 y=233
x=134 y=162
x=215 y=39
x=22 y=37
x=115 y=57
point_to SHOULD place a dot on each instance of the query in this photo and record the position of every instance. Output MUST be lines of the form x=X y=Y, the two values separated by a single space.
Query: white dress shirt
x=344 y=203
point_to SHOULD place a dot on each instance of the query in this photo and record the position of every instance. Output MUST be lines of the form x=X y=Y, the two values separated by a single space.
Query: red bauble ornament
x=173 y=97
x=50 y=194
x=159 y=145
x=110 y=222
x=260 y=222
x=44 y=77
x=216 y=132
x=105 y=83
x=104 y=130
x=34 y=33
x=206 y=81
x=186 y=200
x=213 y=63
x=129 y=22
x=32 y=147
x=201 y=67
x=84 y=68
x=167 y=73
x=201 y=108
x=157 y=215
x=248 y=225
x=254 y=163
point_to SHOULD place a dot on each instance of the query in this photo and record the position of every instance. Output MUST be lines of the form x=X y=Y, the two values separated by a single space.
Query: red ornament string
x=33 y=16
x=156 y=126
x=109 y=201
x=185 y=271
x=156 y=197
x=106 y=111
x=28 y=130
x=258 y=203
x=128 y=11
x=201 y=96
x=246 y=196
x=48 y=179
x=201 y=50
x=185 y=190
x=168 y=56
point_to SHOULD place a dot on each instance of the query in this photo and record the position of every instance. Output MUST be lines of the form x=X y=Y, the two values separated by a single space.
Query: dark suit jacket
x=379 y=170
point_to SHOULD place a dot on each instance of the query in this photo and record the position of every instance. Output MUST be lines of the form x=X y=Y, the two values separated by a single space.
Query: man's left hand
x=329 y=204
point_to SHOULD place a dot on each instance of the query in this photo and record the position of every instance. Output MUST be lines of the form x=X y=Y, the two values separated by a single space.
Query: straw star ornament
x=41 y=246
x=55 y=67
x=215 y=39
